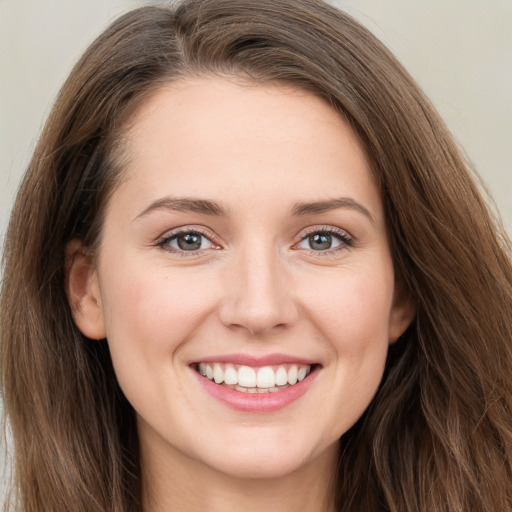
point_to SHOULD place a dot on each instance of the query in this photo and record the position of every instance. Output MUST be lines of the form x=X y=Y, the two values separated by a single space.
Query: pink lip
x=257 y=402
x=255 y=361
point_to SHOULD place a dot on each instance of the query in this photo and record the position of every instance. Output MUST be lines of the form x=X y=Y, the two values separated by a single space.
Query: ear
x=83 y=291
x=402 y=314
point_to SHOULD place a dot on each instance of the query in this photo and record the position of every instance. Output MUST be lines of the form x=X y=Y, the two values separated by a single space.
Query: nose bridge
x=258 y=298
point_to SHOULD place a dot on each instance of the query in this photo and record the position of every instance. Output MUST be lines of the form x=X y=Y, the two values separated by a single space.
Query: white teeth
x=218 y=374
x=266 y=377
x=230 y=375
x=246 y=377
x=281 y=376
x=251 y=380
x=292 y=375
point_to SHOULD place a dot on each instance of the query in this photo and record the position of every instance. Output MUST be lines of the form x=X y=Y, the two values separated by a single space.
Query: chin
x=259 y=468
x=259 y=460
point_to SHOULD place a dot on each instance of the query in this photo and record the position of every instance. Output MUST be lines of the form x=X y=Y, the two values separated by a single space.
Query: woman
x=248 y=269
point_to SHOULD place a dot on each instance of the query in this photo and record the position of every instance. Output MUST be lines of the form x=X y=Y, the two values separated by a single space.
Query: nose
x=258 y=296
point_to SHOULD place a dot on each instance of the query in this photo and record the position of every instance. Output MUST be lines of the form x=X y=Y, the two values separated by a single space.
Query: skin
x=256 y=287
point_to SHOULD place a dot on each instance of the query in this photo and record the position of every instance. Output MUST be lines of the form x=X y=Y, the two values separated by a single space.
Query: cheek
x=351 y=316
x=149 y=315
x=149 y=318
x=155 y=301
x=352 y=309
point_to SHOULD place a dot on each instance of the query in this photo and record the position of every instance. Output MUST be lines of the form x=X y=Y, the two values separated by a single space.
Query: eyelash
x=168 y=238
x=345 y=240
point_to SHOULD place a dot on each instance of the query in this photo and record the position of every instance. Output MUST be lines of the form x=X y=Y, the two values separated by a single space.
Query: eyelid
x=183 y=230
x=347 y=240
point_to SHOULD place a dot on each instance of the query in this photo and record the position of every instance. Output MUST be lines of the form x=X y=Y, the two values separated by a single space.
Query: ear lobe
x=402 y=314
x=83 y=291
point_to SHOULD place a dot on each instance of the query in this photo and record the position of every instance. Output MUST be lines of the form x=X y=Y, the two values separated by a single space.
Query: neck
x=178 y=482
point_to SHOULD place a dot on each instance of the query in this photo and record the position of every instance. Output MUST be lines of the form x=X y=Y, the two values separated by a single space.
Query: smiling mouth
x=248 y=379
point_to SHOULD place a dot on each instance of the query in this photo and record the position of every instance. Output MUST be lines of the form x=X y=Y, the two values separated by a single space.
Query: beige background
x=460 y=51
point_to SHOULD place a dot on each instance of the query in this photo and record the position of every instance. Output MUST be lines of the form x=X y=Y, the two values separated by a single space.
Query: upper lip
x=255 y=361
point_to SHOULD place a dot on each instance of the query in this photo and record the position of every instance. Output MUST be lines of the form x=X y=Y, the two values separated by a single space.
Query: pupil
x=320 y=241
x=189 y=242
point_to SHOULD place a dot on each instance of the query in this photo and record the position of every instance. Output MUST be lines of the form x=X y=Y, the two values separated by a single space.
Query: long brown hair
x=438 y=434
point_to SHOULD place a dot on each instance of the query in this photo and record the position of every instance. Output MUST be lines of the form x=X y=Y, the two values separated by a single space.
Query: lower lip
x=257 y=402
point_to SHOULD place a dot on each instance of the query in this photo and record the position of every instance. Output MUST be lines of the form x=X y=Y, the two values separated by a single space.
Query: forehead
x=220 y=138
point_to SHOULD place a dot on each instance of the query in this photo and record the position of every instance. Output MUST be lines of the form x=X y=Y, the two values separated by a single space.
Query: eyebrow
x=301 y=209
x=213 y=208
x=186 y=205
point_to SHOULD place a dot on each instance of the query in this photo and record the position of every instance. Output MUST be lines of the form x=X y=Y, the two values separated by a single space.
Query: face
x=244 y=279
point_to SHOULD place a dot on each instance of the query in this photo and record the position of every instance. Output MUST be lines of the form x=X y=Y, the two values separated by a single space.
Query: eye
x=187 y=241
x=325 y=240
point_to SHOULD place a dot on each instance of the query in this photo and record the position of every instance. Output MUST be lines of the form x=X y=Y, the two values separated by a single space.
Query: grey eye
x=191 y=241
x=320 y=241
